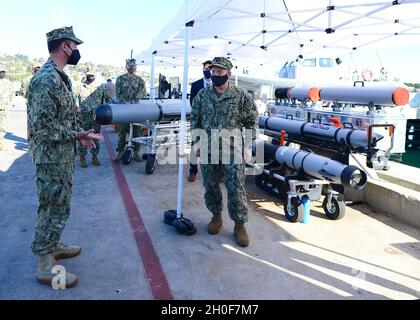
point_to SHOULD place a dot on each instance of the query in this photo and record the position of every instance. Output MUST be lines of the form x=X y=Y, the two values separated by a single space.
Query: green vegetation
x=19 y=68
x=413 y=85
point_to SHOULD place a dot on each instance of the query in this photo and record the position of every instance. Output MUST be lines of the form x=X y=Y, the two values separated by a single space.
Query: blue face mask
x=207 y=74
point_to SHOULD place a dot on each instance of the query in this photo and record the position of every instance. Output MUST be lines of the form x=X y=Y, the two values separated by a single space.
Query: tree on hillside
x=19 y=67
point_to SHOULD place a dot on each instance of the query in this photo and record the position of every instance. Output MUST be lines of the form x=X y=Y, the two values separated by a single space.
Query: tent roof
x=264 y=31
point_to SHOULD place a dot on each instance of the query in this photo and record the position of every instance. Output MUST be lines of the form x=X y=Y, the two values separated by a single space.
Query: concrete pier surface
x=129 y=253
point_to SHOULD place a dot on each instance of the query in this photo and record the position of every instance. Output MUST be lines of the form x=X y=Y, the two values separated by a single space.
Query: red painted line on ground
x=155 y=276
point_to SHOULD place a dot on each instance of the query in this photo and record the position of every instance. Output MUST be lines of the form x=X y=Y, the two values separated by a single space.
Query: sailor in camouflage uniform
x=101 y=95
x=6 y=95
x=82 y=91
x=53 y=128
x=224 y=106
x=130 y=88
x=25 y=83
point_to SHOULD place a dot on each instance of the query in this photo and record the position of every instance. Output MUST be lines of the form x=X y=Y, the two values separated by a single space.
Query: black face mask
x=2 y=75
x=74 y=57
x=219 y=81
x=207 y=74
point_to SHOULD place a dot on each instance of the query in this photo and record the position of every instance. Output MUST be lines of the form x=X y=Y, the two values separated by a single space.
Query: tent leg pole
x=183 y=121
x=181 y=224
x=152 y=78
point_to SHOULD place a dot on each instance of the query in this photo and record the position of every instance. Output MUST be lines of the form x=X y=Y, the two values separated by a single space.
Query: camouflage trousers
x=234 y=178
x=122 y=132
x=89 y=123
x=54 y=183
x=2 y=124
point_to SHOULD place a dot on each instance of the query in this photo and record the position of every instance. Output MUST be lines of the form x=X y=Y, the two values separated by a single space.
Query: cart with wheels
x=159 y=135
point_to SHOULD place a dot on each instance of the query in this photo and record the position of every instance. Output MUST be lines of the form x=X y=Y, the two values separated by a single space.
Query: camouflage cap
x=131 y=63
x=63 y=33
x=221 y=62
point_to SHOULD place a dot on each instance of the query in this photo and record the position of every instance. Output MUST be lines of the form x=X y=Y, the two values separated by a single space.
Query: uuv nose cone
x=104 y=114
x=353 y=177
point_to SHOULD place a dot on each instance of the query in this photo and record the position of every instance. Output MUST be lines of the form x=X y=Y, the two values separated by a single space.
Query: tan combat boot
x=119 y=156
x=137 y=157
x=63 y=251
x=83 y=162
x=45 y=275
x=241 y=235
x=215 y=224
x=95 y=161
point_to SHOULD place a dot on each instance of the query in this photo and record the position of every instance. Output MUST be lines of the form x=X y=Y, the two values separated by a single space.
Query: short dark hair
x=207 y=62
x=55 y=44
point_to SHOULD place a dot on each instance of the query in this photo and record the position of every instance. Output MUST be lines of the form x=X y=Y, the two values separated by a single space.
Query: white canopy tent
x=260 y=32
x=263 y=31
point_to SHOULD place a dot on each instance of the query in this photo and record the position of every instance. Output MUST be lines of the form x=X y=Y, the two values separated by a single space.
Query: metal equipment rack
x=159 y=135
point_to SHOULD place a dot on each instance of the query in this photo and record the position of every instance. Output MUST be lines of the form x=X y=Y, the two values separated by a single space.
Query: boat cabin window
x=309 y=62
x=325 y=63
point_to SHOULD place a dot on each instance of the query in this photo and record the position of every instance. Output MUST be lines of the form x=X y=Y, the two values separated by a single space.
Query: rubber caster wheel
x=337 y=209
x=150 y=164
x=295 y=212
x=127 y=156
